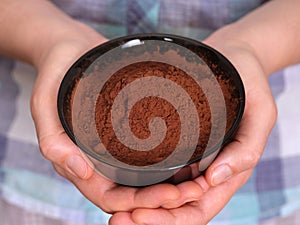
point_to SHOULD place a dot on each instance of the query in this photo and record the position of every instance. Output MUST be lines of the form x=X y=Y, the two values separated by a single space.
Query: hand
x=233 y=167
x=52 y=49
x=56 y=146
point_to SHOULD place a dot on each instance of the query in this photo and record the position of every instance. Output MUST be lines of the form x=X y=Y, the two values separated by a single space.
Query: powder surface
x=89 y=111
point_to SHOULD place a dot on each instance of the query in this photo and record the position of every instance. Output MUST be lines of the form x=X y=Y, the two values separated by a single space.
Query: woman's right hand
x=65 y=156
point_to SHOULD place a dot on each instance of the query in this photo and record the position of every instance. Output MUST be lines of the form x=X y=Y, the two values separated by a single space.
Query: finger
x=189 y=191
x=123 y=218
x=55 y=145
x=44 y=98
x=183 y=215
x=112 y=198
x=123 y=198
x=193 y=213
x=59 y=149
x=249 y=142
x=160 y=195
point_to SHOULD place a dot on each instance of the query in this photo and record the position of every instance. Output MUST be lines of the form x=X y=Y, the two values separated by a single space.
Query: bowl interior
x=151 y=102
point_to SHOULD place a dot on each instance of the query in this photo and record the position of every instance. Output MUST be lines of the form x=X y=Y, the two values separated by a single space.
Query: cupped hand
x=234 y=165
x=191 y=202
x=55 y=59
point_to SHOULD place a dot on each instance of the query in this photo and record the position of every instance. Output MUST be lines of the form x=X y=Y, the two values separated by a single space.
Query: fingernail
x=221 y=174
x=77 y=166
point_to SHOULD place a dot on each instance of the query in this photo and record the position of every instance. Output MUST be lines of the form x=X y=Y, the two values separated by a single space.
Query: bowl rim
x=176 y=39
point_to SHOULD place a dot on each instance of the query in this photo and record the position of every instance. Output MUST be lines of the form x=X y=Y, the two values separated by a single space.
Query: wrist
x=37 y=29
x=271 y=33
x=231 y=42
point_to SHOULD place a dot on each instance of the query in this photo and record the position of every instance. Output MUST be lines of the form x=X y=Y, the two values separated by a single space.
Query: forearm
x=31 y=27
x=271 y=32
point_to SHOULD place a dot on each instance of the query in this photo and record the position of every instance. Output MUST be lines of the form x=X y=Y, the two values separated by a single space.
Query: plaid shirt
x=29 y=181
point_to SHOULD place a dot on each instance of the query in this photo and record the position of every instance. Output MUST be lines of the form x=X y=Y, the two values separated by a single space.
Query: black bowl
x=151 y=108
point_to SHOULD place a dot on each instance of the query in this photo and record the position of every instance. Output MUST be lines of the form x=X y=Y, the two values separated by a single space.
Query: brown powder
x=148 y=108
x=145 y=110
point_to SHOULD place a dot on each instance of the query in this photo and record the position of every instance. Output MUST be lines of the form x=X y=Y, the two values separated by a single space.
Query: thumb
x=244 y=152
x=55 y=145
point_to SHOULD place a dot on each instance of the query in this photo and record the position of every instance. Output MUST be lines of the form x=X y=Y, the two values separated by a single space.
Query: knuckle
x=46 y=148
x=252 y=157
x=273 y=112
x=60 y=170
x=35 y=101
x=106 y=205
x=107 y=209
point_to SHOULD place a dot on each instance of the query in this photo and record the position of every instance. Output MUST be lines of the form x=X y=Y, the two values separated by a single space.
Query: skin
x=257 y=45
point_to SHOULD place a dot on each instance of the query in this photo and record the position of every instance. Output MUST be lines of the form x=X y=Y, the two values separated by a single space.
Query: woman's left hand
x=234 y=165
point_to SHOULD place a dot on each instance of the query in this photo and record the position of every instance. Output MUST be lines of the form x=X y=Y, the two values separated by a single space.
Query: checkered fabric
x=28 y=181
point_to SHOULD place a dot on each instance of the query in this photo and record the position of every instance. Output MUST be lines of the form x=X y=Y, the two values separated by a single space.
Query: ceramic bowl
x=151 y=108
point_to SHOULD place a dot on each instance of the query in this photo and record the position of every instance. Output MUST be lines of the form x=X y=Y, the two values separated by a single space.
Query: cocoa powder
x=104 y=141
